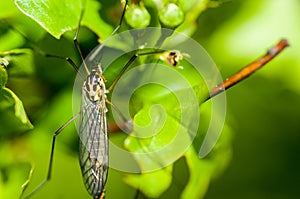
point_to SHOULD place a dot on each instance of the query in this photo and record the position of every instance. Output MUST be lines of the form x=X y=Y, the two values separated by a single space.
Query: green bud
x=171 y=16
x=137 y=17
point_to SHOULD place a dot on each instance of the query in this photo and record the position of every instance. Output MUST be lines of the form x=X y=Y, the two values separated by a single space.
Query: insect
x=94 y=142
x=93 y=145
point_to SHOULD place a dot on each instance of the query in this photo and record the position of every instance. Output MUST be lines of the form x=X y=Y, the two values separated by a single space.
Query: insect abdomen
x=94 y=165
x=93 y=148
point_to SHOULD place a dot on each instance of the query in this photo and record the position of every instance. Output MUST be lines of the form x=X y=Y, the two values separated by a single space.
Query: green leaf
x=152 y=184
x=21 y=62
x=12 y=104
x=200 y=176
x=147 y=150
x=163 y=124
x=94 y=21
x=49 y=14
x=55 y=16
x=14 y=63
x=156 y=135
x=202 y=171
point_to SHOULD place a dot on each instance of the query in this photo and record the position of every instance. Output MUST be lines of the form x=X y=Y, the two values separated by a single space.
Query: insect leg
x=40 y=51
x=48 y=177
x=131 y=60
x=121 y=19
x=127 y=124
x=77 y=32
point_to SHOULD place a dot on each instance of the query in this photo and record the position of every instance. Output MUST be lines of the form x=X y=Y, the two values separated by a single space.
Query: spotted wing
x=93 y=146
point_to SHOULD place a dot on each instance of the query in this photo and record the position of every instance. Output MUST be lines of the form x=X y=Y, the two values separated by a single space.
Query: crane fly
x=93 y=144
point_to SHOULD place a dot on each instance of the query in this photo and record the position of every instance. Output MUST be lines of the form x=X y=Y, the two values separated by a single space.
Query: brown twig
x=249 y=69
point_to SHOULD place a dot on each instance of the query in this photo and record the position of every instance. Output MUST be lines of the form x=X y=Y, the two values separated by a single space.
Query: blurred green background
x=262 y=112
x=264 y=109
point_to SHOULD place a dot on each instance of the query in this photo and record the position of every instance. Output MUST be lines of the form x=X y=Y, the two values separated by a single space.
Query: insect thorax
x=94 y=87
